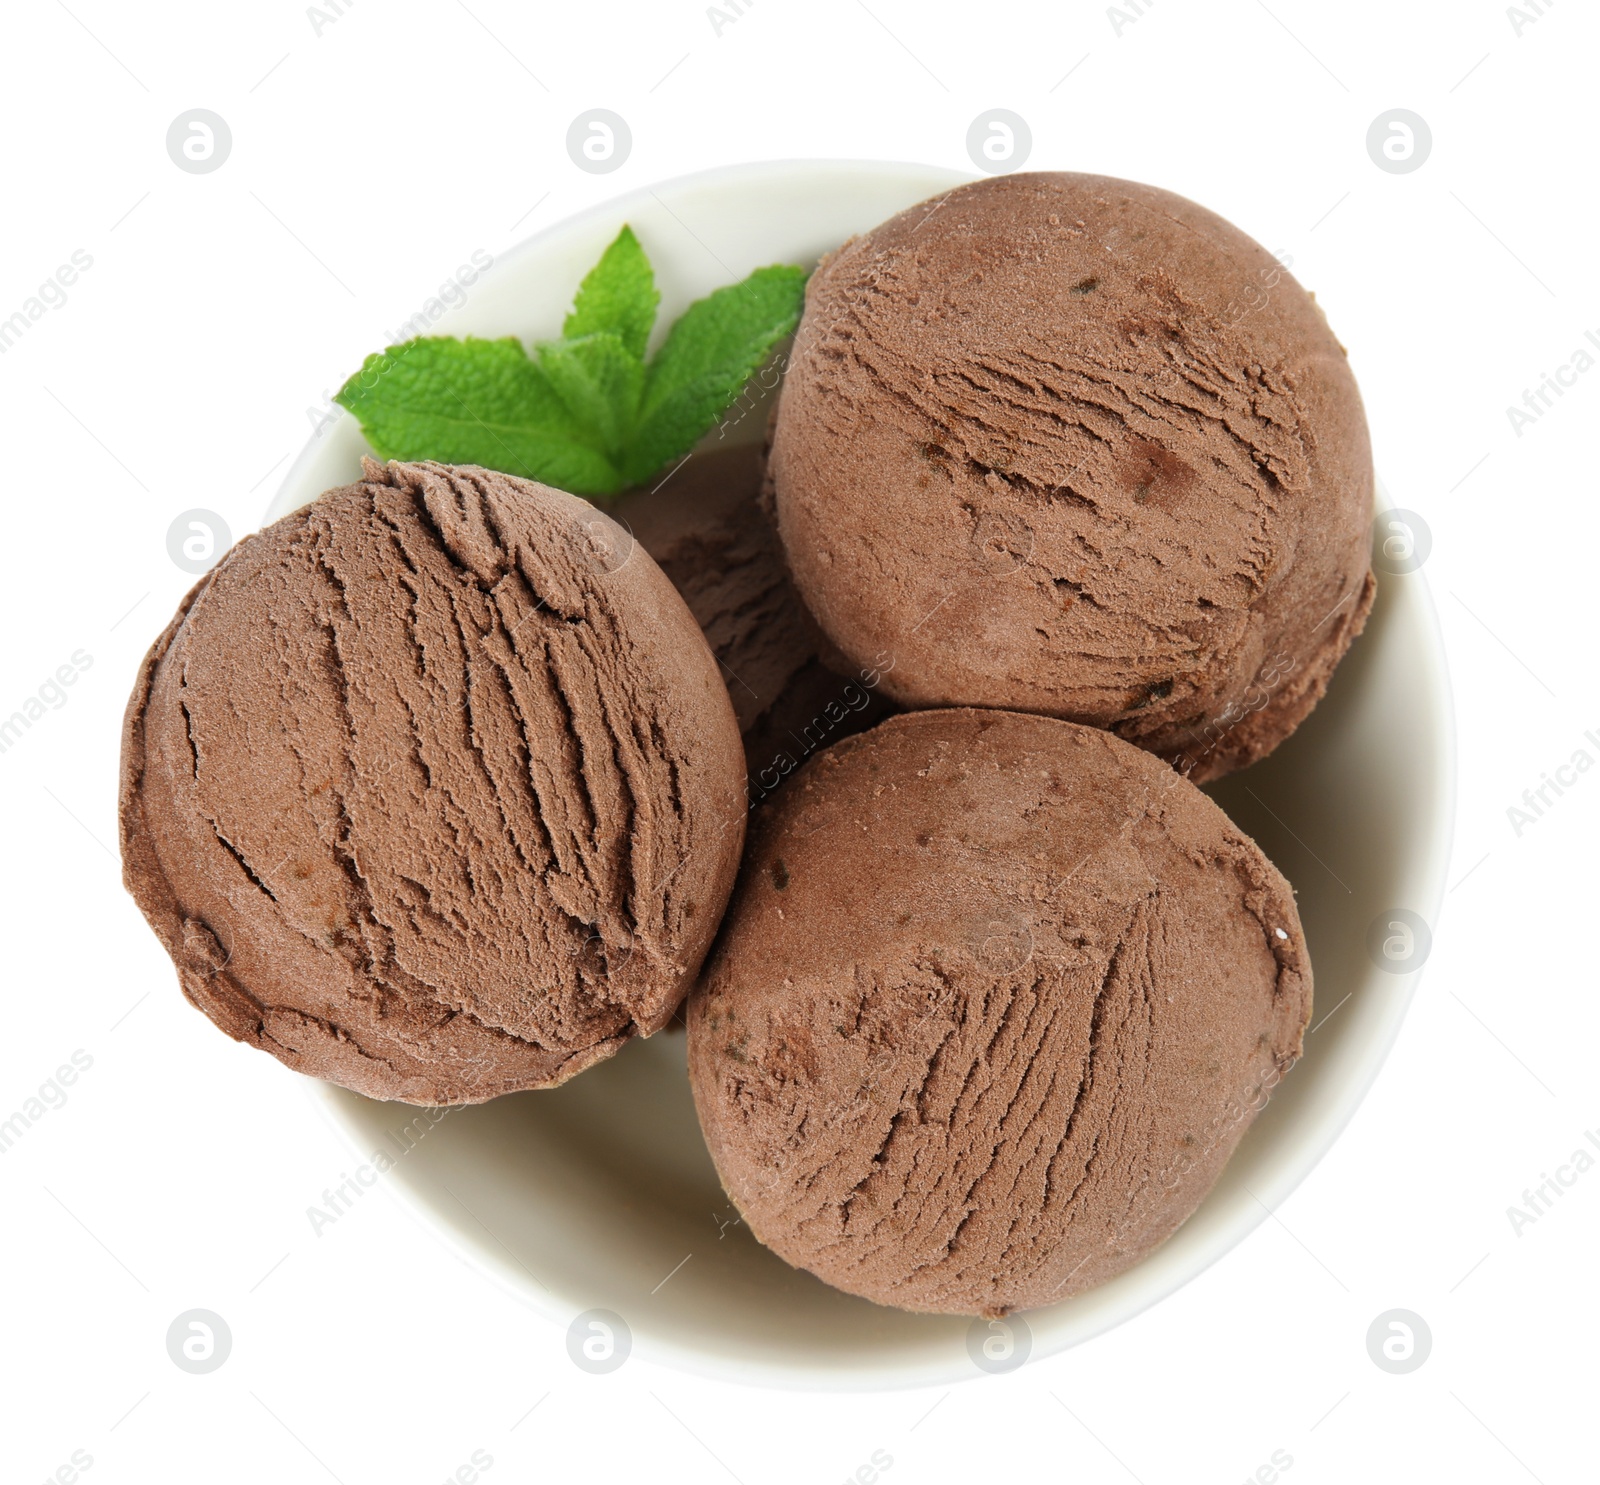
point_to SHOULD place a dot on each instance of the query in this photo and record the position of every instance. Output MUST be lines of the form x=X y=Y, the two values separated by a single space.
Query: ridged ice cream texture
x=1077 y=446
x=433 y=789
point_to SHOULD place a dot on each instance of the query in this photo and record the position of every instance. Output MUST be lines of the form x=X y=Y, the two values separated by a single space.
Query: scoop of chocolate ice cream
x=995 y=999
x=432 y=788
x=705 y=526
x=1077 y=446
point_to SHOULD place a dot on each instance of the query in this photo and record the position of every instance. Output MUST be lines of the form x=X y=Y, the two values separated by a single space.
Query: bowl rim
x=1432 y=841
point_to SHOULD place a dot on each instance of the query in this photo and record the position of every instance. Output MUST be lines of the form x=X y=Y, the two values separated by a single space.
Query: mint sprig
x=618 y=294
x=585 y=412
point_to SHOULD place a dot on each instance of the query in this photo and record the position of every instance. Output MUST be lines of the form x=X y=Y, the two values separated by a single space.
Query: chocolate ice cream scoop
x=432 y=788
x=705 y=527
x=995 y=999
x=1076 y=446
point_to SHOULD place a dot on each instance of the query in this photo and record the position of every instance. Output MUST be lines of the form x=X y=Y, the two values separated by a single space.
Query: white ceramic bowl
x=591 y=1195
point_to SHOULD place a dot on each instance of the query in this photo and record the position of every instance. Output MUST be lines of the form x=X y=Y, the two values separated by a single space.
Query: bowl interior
x=601 y=1194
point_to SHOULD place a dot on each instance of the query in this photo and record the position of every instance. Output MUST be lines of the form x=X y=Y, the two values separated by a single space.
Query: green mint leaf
x=583 y=412
x=476 y=402
x=710 y=352
x=600 y=380
x=618 y=294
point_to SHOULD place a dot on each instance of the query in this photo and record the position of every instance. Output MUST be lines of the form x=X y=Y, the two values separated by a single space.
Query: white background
x=368 y=162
